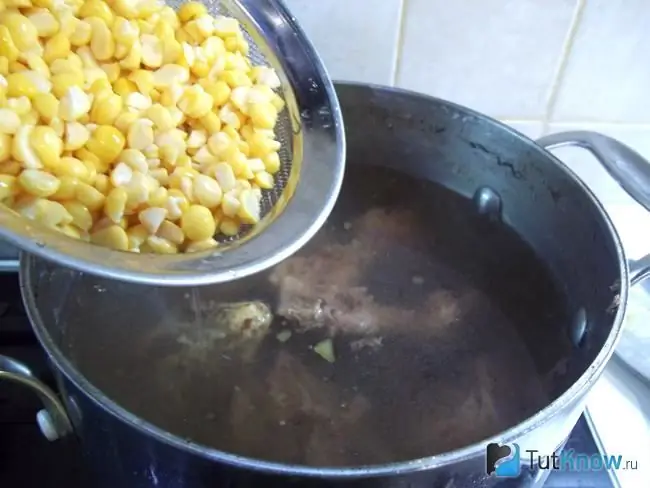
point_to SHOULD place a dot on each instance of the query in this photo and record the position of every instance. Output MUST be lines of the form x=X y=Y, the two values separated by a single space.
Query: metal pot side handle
x=628 y=168
x=52 y=420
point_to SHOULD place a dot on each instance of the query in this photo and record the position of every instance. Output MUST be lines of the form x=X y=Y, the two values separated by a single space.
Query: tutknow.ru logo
x=504 y=461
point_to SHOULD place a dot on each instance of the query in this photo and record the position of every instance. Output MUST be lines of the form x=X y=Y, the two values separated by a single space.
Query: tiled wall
x=540 y=65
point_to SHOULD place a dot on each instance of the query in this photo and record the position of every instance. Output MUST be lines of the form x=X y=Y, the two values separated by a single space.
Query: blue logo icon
x=503 y=460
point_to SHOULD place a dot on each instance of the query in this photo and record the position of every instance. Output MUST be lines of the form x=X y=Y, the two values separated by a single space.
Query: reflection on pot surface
x=409 y=326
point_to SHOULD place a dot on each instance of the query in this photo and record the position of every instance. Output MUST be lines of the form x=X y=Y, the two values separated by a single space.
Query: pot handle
x=52 y=420
x=628 y=168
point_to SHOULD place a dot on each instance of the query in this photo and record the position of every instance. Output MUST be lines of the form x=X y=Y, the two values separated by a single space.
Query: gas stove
x=28 y=460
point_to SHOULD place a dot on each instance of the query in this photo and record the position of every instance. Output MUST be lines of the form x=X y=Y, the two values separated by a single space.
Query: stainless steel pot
x=508 y=177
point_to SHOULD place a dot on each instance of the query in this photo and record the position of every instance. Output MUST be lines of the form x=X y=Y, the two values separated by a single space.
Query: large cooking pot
x=467 y=289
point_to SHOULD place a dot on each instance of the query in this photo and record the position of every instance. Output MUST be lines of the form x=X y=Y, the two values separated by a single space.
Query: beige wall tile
x=357 y=39
x=495 y=56
x=607 y=76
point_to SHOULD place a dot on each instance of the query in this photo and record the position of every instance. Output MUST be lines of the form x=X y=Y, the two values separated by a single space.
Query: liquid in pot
x=431 y=313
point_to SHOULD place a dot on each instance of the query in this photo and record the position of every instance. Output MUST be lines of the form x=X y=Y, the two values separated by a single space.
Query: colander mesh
x=283 y=129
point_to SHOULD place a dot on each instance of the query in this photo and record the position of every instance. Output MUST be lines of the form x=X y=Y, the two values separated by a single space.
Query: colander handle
x=52 y=419
x=628 y=168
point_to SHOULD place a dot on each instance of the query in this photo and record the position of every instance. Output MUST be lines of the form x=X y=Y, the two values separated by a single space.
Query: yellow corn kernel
x=36 y=63
x=169 y=76
x=158 y=197
x=229 y=227
x=260 y=145
x=113 y=237
x=30 y=118
x=106 y=143
x=272 y=162
x=81 y=216
x=4 y=66
x=125 y=120
x=10 y=168
x=7 y=47
x=8 y=186
x=76 y=136
x=81 y=34
x=21 y=149
x=134 y=57
x=46 y=145
x=62 y=82
x=99 y=85
x=197 y=223
x=151 y=152
x=90 y=196
x=9 y=121
x=85 y=155
x=125 y=31
x=38 y=183
x=106 y=109
x=140 y=135
x=230 y=204
x=152 y=218
x=195 y=102
x=22 y=31
x=143 y=79
x=115 y=204
x=74 y=104
x=171 y=232
x=199 y=246
x=152 y=51
x=235 y=78
x=137 y=235
x=67 y=189
x=16 y=66
x=263 y=115
x=177 y=204
x=264 y=180
x=249 y=210
x=207 y=191
x=191 y=10
x=218 y=90
x=45 y=23
x=96 y=8
x=160 y=117
x=112 y=71
x=123 y=87
x=211 y=122
x=135 y=159
x=160 y=245
x=45 y=212
x=5 y=147
x=102 y=183
x=71 y=167
x=93 y=168
x=102 y=43
x=172 y=49
x=70 y=231
x=27 y=84
x=57 y=47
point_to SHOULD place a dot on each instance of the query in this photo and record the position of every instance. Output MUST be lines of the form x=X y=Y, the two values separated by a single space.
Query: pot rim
x=571 y=395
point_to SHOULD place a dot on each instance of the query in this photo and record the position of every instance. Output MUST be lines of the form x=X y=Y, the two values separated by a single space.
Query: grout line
x=399 y=41
x=561 y=68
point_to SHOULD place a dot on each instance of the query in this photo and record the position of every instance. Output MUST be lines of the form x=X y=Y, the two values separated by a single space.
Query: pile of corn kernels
x=131 y=125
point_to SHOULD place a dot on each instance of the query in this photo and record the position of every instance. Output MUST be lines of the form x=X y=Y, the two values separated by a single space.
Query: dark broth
x=437 y=382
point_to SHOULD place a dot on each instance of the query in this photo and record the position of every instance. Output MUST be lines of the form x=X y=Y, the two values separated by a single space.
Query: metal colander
x=312 y=156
